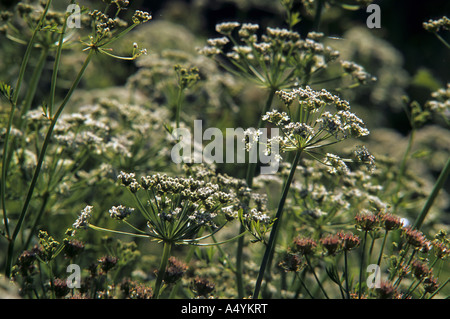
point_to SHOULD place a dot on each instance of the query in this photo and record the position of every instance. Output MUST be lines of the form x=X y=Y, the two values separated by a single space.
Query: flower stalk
x=273 y=234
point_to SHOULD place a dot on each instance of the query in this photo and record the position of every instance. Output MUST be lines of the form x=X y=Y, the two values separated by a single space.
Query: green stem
x=399 y=264
x=162 y=268
x=400 y=278
x=439 y=289
x=346 y=274
x=318 y=15
x=362 y=265
x=303 y=286
x=315 y=276
x=14 y=100
x=251 y=169
x=382 y=248
x=41 y=161
x=442 y=40
x=430 y=200
x=273 y=233
x=55 y=70
x=32 y=87
x=411 y=289
x=178 y=106
x=402 y=170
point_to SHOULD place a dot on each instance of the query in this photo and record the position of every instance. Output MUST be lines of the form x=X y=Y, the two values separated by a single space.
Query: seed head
x=386 y=290
x=366 y=221
x=60 y=288
x=349 y=241
x=107 y=263
x=430 y=284
x=291 y=262
x=305 y=246
x=420 y=269
x=174 y=271
x=415 y=237
x=390 y=222
x=332 y=244
x=72 y=247
x=202 y=287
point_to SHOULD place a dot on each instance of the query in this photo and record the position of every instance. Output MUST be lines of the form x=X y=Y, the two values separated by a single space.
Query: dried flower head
x=134 y=290
x=430 y=284
x=174 y=271
x=366 y=221
x=420 y=269
x=60 y=288
x=414 y=237
x=305 y=246
x=202 y=287
x=332 y=243
x=25 y=262
x=291 y=262
x=349 y=241
x=72 y=247
x=386 y=291
x=390 y=222
x=106 y=263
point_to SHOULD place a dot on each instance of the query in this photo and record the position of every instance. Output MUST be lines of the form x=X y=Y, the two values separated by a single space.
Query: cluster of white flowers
x=83 y=220
x=120 y=212
x=440 y=102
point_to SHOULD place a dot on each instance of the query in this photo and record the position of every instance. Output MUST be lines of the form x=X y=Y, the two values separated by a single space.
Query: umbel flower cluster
x=176 y=208
x=277 y=59
x=436 y=25
x=320 y=119
x=440 y=102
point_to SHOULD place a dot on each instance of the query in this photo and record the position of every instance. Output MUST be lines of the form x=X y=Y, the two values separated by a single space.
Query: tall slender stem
x=402 y=169
x=430 y=200
x=318 y=15
x=362 y=265
x=55 y=70
x=273 y=233
x=346 y=274
x=178 y=107
x=15 y=98
x=32 y=87
x=162 y=268
x=251 y=169
x=315 y=276
x=41 y=161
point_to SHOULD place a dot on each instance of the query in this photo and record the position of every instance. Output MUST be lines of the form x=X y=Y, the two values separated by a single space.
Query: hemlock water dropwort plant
x=95 y=205
x=316 y=128
x=49 y=34
x=178 y=210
